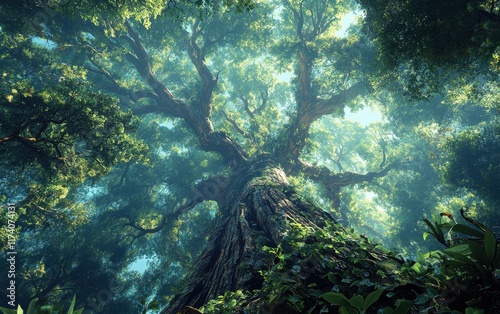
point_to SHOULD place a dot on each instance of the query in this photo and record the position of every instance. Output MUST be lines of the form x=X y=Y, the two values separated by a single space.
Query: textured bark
x=256 y=212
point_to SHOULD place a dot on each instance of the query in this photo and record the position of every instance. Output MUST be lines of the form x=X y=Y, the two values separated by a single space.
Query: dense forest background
x=129 y=129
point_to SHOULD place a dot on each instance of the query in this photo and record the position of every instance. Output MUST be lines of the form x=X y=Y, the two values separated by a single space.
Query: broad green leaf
x=433 y=229
x=372 y=298
x=457 y=257
x=478 y=251
x=418 y=268
x=336 y=298
x=426 y=234
x=461 y=248
x=272 y=296
x=332 y=278
x=460 y=228
x=490 y=246
x=420 y=257
x=357 y=302
x=32 y=306
x=7 y=311
x=388 y=310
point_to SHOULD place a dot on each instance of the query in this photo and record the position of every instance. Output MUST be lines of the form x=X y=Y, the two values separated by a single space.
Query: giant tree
x=243 y=89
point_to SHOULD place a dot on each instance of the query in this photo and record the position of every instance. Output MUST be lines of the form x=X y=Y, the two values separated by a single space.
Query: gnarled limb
x=197 y=56
x=235 y=125
x=310 y=107
x=173 y=107
x=334 y=182
x=210 y=189
x=328 y=178
x=264 y=94
x=199 y=119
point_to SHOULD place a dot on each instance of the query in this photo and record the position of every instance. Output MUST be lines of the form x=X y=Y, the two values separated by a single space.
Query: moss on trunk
x=263 y=220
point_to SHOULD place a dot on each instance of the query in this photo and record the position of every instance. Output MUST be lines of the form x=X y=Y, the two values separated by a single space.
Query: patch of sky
x=345 y=22
x=365 y=116
x=43 y=42
x=141 y=264
x=167 y=124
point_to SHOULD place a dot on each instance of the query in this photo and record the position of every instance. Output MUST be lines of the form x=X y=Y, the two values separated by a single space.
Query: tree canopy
x=211 y=143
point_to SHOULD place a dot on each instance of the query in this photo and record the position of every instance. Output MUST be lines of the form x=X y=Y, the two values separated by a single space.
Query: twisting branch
x=197 y=115
x=328 y=178
x=210 y=189
x=334 y=182
x=166 y=219
x=310 y=107
x=197 y=56
x=140 y=60
x=235 y=125
x=247 y=106
x=264 y=95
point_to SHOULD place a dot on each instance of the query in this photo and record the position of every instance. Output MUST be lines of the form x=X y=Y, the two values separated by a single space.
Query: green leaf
x=357 y=302
x=332 y=278
x=426 y=234
x=461 y=228
x=31 y=307
x=461 y=248
x=272 y=296
x=490 y=246
x=478 y=251
x=72 y=306
x=420 y=258
x=7 y=311
x=471 y=310
x=336 y=298
x=388 y=310
x=457 y=257
x=418 y=268
x=434 y=230
x=372 y=298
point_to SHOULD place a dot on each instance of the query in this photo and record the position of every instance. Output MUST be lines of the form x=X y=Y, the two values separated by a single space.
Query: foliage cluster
x=305 y=278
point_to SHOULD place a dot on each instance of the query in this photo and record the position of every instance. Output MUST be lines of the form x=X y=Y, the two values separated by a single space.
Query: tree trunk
x=257 y=211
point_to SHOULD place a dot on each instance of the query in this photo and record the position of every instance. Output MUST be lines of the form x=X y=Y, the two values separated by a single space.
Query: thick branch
x=172 y=106
x=335 y=181
x=199 y=121
x=311 y=110
x=211 y=189
x=197 y=56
